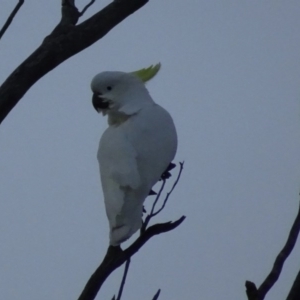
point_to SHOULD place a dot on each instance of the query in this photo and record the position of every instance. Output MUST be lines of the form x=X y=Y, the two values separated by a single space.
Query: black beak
x=98 y=102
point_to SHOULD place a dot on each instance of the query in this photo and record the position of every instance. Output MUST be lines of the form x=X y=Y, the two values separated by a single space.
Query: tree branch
x=251 y=291
x=273 y=276
x=170 y=192
x=59 y=46
x=154 y=213
x=294 y=293
x=115 y=257
x=149 y=216
x=86 y=7
x=123 y=279
x=69 y=13
x=155 y=297
x=11 y=17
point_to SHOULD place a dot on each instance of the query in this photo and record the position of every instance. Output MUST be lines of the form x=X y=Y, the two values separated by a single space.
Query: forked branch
x=86 y=7
x=153 y=213
x=115 y=257
x=164 y=177
x=66 y=40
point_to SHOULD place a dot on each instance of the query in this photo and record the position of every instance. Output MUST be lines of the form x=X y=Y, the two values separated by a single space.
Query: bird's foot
x=166 y=174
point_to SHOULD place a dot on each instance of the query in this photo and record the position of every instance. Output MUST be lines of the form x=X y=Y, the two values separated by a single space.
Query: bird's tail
x=124 y=230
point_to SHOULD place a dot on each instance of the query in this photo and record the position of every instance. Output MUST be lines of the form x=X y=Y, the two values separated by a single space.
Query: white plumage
x=134 y=150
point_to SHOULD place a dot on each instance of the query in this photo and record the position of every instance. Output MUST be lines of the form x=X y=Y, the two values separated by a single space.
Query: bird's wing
x=153 y=136
x=120 y=179
x=117 y=159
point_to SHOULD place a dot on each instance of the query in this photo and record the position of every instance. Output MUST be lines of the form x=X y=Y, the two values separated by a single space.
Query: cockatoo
x=135 y=149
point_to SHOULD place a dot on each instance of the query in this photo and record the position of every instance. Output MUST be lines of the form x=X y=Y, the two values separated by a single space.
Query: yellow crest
x=147 y=73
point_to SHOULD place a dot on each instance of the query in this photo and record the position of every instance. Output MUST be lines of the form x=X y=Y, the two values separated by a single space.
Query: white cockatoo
x=135 y=149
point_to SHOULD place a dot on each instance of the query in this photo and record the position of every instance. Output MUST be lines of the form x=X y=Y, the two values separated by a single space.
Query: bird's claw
x=166 y=174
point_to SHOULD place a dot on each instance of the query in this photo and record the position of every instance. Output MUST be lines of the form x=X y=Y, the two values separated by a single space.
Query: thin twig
x=170 y=192
x=156 y=295
x=152 y=213
x=158 y=196
x=11 y=17
x=123 y=279
x=280 y=259
x=149 y=216
x=86 y=7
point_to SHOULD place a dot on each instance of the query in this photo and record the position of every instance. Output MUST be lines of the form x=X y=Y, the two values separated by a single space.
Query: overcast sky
x=230 y=78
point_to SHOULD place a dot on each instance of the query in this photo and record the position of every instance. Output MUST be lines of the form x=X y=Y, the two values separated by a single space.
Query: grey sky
x=230 y=78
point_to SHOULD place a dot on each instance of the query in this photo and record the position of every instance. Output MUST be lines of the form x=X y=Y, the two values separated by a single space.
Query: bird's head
x=117 y=91
x=120 y=92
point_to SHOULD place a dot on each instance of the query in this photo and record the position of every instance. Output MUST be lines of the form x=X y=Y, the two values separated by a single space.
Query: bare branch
x=59 y=46
x=172 y=189
x=149 y=216
x=157 y=198
x=11 y=17
x=156 y=295
x=294 y=293
x=123 y=279
x=86 y=7
x=115 y=257
x=279 y=261
x=282 y=256
x=251 y=291
x=69 y=13
x=152 y=213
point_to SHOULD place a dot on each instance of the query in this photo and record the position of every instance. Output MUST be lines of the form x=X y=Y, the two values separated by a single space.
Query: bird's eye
x=109 y=88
